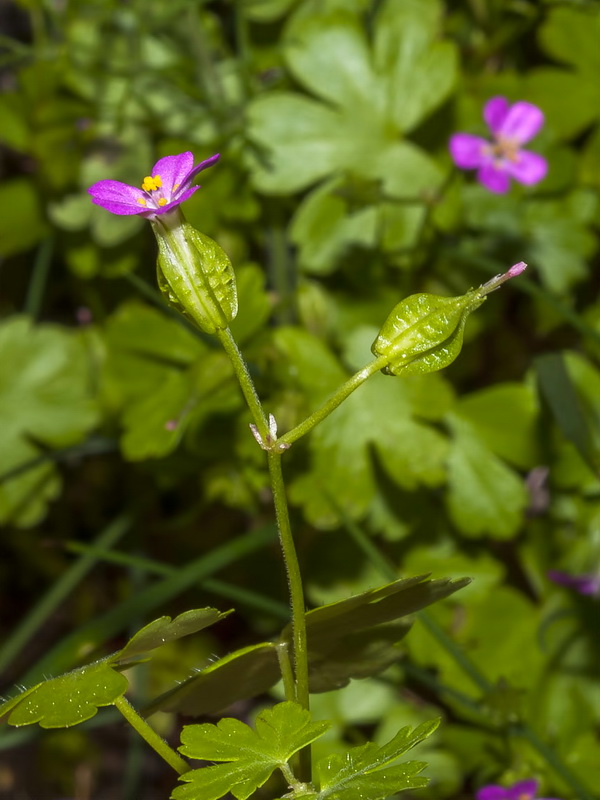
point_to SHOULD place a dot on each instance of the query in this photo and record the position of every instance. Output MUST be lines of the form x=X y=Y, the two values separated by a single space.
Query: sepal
x=194 y=273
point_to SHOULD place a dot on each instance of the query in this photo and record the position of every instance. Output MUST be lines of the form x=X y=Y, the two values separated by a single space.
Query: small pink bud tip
x=516 y=269
x=171 y=425
x=498 y=280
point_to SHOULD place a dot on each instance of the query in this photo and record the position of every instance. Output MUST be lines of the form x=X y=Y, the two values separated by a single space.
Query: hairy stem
x=285 y=533
x=147 y=733
x=296 y=596
x=294 y=579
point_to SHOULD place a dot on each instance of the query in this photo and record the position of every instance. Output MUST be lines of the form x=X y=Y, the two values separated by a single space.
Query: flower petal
x=118 y=197
x=468 y=151
x=492 y=793
x=208 y=162
x=173 y=171
x=529 y=168
x=523 y=790
x=176 y=174
x=587 y=584
x=584 y=584
x=494 y=112
x=494 y=179
x=522 y=122
x=561 y=577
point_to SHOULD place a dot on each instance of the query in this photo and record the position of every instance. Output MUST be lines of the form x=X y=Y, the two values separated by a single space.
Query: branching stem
x=301 y=693
x=296 y=685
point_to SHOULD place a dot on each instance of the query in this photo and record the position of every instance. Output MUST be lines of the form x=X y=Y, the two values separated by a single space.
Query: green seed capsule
x=424 y=332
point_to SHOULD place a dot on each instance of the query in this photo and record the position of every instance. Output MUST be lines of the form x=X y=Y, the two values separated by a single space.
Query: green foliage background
x=335 y=197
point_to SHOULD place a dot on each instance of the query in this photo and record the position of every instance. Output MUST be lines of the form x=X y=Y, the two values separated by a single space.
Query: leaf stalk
x=147 y=733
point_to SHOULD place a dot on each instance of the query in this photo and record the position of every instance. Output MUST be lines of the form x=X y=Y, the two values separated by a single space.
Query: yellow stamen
x=151 y=183
x=177 y=185
x=141 y=201
x=162 y=202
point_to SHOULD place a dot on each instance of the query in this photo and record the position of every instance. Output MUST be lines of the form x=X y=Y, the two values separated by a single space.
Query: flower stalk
x=333 y=402
x=245 y=381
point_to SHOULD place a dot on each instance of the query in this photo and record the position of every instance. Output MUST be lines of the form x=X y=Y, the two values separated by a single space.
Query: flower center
x=503 y=149
x=152 y=183
x=525 y=796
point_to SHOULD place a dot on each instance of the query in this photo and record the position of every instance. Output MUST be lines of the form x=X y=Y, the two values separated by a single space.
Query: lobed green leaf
x=372 y=91
x=505 y=417
x=251 y=755
x=75 y=697
x=165 y=629
x=420 y=68
x=367 y=771
x=244 y=673
x=69 y=699
x=353 y=638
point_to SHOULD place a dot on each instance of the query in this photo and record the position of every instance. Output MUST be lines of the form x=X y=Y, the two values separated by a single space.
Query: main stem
x=294 y=579
x=296 y=598
x=301 y=692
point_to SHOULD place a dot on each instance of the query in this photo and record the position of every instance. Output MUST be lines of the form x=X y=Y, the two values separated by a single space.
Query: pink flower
x=501 y=159
x=168 y=185
x=523 y=790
